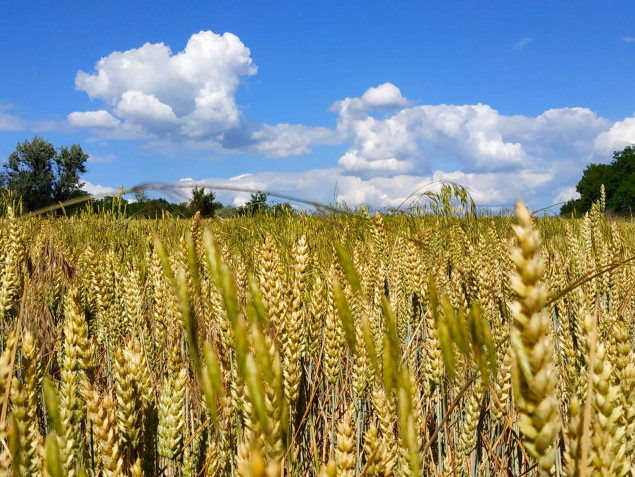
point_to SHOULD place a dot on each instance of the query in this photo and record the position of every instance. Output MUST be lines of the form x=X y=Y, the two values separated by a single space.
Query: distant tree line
x=618 y=179
x=39 y=175
x=204 y=202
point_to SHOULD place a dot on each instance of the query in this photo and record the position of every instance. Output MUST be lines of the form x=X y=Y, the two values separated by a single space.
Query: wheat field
x=445 y=343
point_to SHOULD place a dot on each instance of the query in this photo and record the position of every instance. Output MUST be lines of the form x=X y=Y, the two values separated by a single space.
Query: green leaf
x=392 y=358
x=348 y=268
x=256 y=391
x=50 y=400
x=369 y=342
x=262 y=353
x=345 y=315
x=14 y=440
x=256 y=311
x=211 y=382
x=445 y=333
x=222 y=278
x=53 y=457
x=483 y=336
x=187 y=317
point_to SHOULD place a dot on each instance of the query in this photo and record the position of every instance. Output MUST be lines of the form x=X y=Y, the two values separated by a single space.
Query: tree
x=620 y=196
x=593 y=177
x=204 y=203
x=227 y=211
x=42 y=175
x=257 y=203
x=283 y=209
x=618 y=178
x=141 y=197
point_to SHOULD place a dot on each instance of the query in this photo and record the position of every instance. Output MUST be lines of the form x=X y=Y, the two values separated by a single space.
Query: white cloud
x=563 y=133
x=188 y=98
x=566 y=194
x=9 y=122
x=285 y=140
x=236 y=178
x=98 y=190
x=193 y=89
x=209 y=63
x=354 y=161
x=93 y=119
x=470 y=135
x=621 y=134
x=106 y=125
x=386 y=95
x=628 y=39
x=523 y=42
x=143 y=108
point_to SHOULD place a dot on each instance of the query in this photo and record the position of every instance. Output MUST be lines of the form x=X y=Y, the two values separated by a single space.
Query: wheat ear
x=533 y=373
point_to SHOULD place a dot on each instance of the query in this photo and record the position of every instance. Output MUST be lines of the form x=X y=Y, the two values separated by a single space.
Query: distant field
x=341 y=345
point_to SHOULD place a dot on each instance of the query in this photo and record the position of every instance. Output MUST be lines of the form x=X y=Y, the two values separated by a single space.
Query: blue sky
x=361 y=101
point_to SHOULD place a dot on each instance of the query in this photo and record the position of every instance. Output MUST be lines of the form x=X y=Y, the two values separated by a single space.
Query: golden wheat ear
x=102 y=415
x=533 y=373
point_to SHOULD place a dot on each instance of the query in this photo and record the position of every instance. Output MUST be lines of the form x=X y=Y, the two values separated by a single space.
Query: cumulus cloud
x=470 y=135
x=562 y=133
x=188 y=98
x=620 y=134
x=498 y=155
x=205 y=74
x=93 y=119
x=281 y=140
x=144 y=108
x=384 y=96
x=194 y=90
x=355 y=161
x=107 y=126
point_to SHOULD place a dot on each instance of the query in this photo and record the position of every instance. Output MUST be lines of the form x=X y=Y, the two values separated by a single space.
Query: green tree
x=618 y=178
x=204 y=203
x=227 y=211
x=42 y=175
x=141 y=197
x=256 y=204
x=283 y=209
x=593 y=177
x=620 y=186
